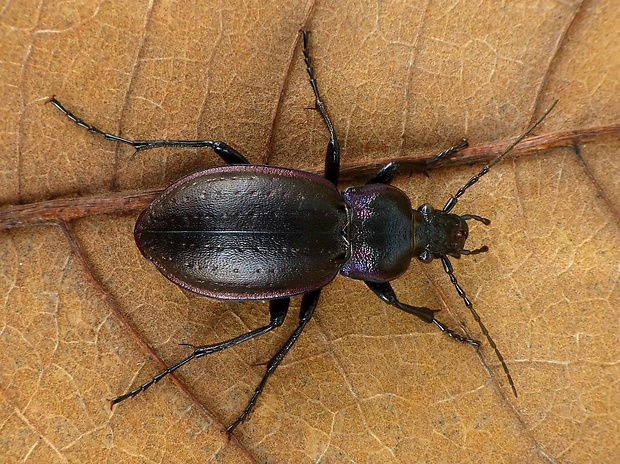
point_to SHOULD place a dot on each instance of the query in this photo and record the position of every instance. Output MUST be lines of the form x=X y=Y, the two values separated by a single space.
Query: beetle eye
x=426 y=210
x=425 y=256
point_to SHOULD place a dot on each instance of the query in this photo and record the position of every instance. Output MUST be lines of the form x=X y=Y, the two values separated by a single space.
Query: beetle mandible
x=252 y=232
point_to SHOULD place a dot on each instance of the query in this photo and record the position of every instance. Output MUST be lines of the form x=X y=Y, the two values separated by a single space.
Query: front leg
x=385 y=291
x=387 y=172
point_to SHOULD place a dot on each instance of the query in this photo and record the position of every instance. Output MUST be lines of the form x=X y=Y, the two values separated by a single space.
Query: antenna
x=453 y=199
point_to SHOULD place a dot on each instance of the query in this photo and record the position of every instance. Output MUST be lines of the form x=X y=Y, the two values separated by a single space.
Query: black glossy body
x=247 y=232
x=262 y=232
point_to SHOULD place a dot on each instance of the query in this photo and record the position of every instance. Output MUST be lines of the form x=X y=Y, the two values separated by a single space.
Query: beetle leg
x=385 y=291
x=308 y=304
x=332 y=156
x=277 y=309
x=228 y=154
x=387 y=172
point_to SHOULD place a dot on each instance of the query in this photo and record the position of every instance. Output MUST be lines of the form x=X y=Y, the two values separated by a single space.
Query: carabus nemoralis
x=252 y=232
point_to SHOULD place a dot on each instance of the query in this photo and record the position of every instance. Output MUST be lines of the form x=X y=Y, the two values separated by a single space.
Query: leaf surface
x=86 y=316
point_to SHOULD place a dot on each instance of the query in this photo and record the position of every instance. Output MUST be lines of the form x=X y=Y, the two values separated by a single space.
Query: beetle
x=257 y=232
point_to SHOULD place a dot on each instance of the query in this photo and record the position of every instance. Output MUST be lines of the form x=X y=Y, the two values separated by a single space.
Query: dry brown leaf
x=366 y=383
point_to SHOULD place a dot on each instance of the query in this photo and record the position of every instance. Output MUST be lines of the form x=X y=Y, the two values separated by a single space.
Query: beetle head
x=438 y=233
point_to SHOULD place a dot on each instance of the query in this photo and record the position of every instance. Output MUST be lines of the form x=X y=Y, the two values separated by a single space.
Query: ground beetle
x=249 y=232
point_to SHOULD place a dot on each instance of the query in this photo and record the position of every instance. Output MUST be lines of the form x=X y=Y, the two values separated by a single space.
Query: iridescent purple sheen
x=380 y=232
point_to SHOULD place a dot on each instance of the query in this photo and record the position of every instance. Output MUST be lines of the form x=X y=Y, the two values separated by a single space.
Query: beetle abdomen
x=246 y=232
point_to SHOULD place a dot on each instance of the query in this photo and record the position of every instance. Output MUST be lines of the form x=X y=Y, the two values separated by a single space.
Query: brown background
x=366 y=383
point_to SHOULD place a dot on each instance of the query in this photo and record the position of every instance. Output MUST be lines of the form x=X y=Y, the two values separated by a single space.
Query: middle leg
x=308 y=305
x=332 y=156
